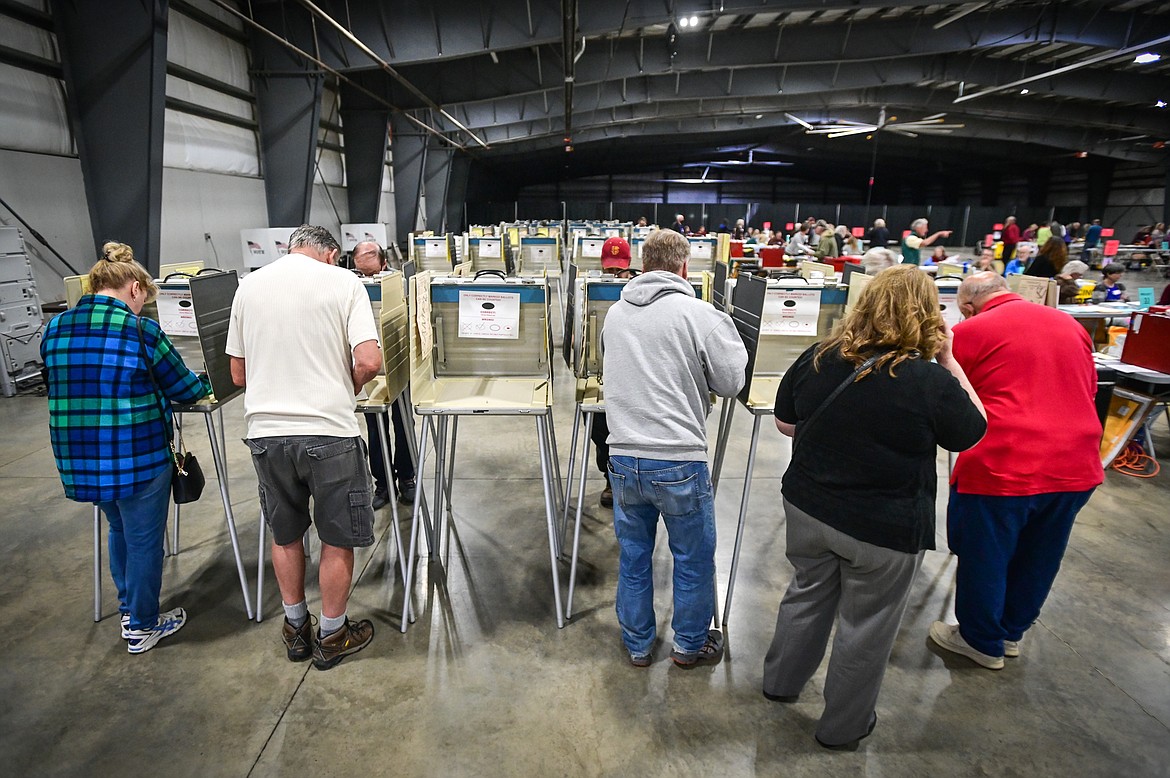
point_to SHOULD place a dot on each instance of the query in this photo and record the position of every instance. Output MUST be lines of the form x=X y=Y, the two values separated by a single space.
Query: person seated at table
x=1051 y=259
x=852 y=247
x=1030 y=233
x=1142 y=237
x=777 y=239
x=1020 y=263
x=739 y=232
x=1110 y=289
x=938 y=254
x=1158 y=235
x=986 y=261
x=1068 y=281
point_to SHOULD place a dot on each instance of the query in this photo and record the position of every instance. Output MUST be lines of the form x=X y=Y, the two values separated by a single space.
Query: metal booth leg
x=743 y=505
x=572 y=461
x=217 y=455
x=451 y=464
x=412 y=446
x=97 y=564
x=411 y=559
x=549 y=511
x=260 y=568
x=580 y=506
x=721 y=443
x=550 y=425
x=395 y=531
x=440 y=468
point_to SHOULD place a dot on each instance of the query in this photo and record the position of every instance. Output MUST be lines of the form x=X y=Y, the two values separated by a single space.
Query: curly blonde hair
x=116 y=268
x=896 y=318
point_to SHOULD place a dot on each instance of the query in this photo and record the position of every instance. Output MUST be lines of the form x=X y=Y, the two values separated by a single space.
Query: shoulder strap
x=803 y=427
x=158 y=396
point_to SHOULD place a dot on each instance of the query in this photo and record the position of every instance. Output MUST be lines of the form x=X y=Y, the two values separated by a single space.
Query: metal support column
x=408 y=149
x=114 y=58
x=436 y=178
x=288 y=107
x=367 y=126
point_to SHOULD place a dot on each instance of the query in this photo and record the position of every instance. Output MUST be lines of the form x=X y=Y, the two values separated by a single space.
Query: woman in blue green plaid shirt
x=108 y=429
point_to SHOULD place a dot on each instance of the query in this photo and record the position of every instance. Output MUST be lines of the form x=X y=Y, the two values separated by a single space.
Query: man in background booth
x=370 y=259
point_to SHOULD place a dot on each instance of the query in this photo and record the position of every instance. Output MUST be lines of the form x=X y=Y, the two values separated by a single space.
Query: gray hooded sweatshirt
x=663 y=353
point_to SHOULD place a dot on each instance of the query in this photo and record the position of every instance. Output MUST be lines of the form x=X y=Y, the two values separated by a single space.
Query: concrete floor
x=485 y=684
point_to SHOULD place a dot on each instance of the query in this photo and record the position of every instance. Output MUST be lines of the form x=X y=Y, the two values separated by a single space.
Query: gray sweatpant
x=868 y=587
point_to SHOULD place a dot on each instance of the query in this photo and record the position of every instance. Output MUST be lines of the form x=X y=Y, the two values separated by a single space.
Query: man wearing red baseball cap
x=615 y=254
x=615 y=257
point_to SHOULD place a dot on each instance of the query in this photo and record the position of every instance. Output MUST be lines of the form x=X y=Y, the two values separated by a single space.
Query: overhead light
x=1024 y=91
x=1160 y=104
x=1081 y=154
x=694 y=21
x=684 y=22
x=495 y=59
x=759 y=116
x=1147 y=58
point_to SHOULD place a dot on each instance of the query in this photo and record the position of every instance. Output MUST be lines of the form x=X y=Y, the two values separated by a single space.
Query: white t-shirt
x=296 y=322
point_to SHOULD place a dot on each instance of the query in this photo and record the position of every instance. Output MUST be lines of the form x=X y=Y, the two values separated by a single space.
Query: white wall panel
x=195 y=143
x=33 y=110
x=202 y=49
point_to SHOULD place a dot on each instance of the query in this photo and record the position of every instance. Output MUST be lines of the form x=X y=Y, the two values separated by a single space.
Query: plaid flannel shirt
x=105 y=423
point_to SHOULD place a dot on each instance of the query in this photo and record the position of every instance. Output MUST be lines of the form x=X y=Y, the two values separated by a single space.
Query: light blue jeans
x=681 y=492
x=137 y=524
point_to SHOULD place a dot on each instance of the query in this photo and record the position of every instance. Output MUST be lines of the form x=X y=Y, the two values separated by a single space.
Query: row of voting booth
x=467 y=329
x=464 y=334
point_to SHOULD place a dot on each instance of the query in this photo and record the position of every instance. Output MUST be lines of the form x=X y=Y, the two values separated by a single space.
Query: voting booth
x=778 y=319
x=480 y=346
x=193 y=308
x=588 y=299
x=436 y=253
x=490 y=252
x=540 y=254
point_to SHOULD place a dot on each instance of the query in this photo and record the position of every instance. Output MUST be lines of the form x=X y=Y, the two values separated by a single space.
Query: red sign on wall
x=1107 y=232
x=859 y=232
x=1111 y=247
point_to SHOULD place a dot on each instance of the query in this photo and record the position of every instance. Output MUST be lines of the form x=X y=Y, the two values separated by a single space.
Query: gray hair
x=918 y=223
x=1074 y=266
x=878 y=259
x=981 y=285
x=312 y=237
x=665 y=250
x=879 y=223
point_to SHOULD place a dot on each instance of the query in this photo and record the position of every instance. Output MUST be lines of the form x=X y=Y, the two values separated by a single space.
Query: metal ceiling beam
x=465 y=34
x=759 y=85
x=386 y=67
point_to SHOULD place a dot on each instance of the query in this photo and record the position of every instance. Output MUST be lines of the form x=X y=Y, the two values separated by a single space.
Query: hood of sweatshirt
x=648 y=287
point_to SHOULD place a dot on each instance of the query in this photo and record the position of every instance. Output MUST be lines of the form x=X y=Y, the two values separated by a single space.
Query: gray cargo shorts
x=333 y=471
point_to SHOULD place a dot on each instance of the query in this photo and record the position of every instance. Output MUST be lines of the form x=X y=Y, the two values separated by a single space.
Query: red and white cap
x=615 y=253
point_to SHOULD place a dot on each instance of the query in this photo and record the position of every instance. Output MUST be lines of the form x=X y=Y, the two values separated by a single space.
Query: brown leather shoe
x=353 y=637
x=299 y=642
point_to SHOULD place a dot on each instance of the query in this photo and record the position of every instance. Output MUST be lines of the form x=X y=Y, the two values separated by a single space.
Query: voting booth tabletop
x=484 y=683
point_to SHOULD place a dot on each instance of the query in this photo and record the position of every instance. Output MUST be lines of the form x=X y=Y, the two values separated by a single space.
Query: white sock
x=297 y=614
x=331 y=625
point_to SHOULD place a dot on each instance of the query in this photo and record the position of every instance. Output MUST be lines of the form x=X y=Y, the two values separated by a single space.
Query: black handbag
x=187 y=480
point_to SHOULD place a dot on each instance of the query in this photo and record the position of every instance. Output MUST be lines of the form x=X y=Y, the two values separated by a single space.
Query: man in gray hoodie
x=664 y=352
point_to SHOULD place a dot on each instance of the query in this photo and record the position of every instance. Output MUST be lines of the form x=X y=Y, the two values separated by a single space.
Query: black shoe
x=782 y=697
x=607 y=496
x=406 y=492
x=852 y=744
x=380 y=499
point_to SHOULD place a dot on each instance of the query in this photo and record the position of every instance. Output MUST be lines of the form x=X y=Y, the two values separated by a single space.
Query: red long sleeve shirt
x=1032 y=367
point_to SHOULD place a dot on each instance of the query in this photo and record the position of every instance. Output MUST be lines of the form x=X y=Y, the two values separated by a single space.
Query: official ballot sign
x=176 y=313
x=791 y=312
x=489 y=315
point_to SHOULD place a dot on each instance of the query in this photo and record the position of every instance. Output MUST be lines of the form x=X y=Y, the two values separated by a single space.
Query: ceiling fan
x=931 y=125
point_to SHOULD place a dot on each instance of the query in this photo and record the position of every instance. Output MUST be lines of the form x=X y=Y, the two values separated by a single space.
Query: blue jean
x=137 y=524
x=1009 y=551
x=681 y=493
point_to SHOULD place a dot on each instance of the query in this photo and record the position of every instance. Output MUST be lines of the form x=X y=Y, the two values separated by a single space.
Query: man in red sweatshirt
x=1011 y=508
x=1011 y=237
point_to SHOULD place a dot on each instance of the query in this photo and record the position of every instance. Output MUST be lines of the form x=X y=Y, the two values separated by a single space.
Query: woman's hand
x=945 y=354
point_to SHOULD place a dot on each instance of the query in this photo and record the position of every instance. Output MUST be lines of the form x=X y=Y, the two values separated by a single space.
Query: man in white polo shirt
x=302 y=339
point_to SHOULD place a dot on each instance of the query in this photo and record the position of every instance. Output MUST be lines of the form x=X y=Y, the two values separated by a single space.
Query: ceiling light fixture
x=1160 y=104
x=1024 y=91
x=759 y=116
x=694 y=21
x=1147 y=58
x=684 y=22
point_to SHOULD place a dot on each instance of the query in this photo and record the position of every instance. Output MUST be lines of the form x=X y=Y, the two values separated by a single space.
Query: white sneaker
x=124 y=618
x=1011 y=648
x=947 y=636
x=142 y=640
